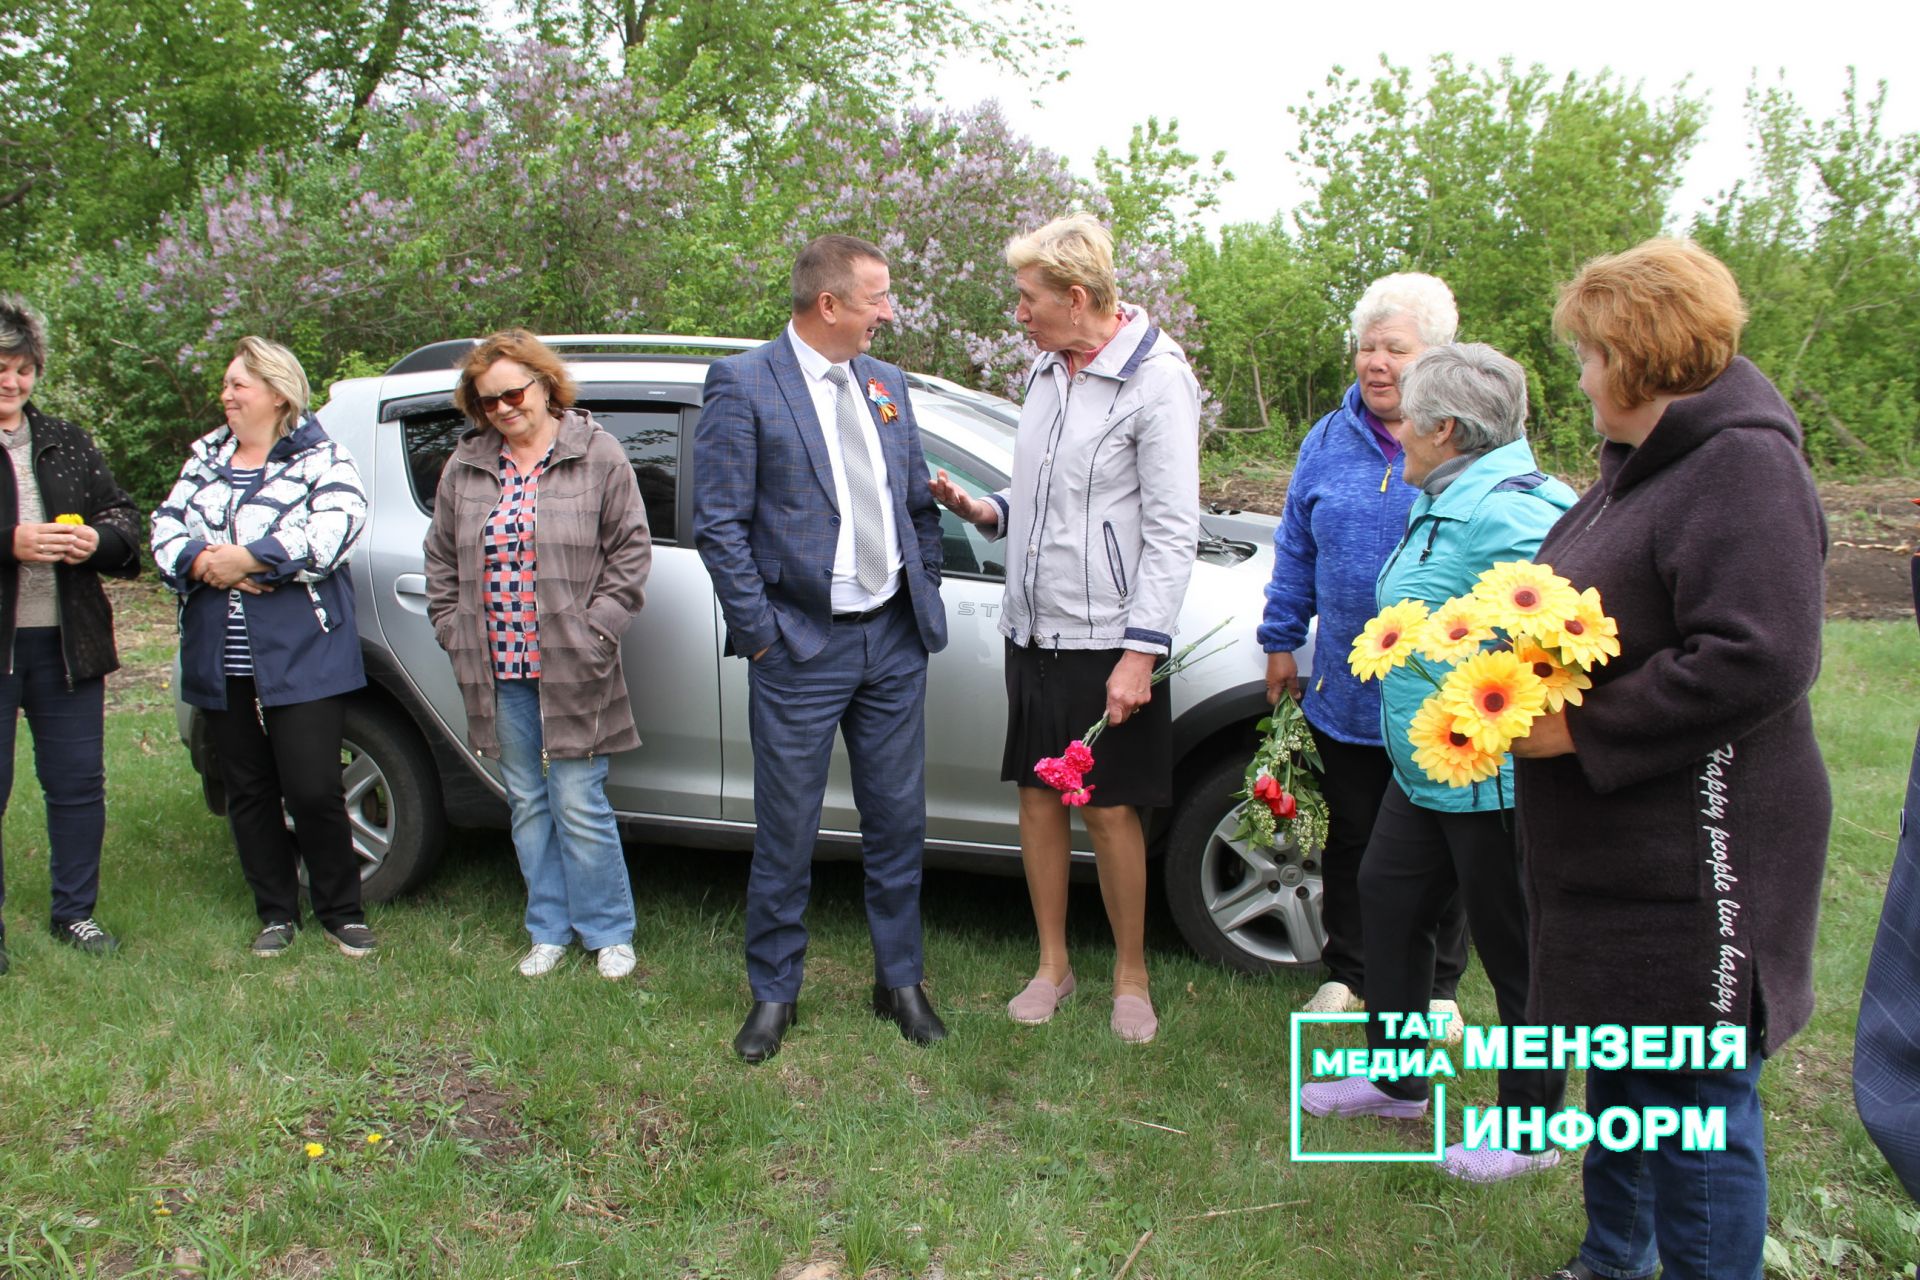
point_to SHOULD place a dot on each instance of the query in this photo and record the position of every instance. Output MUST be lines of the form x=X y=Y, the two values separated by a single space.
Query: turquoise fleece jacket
x=1497 y=509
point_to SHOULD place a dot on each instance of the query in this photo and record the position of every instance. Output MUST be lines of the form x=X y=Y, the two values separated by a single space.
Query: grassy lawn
x=155 y=1108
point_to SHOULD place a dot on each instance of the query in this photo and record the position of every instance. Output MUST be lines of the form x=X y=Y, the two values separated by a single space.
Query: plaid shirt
x=506 y=593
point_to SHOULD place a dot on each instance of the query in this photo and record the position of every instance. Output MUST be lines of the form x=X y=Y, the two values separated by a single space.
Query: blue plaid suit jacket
x=1886 y=1047
x=764 y=519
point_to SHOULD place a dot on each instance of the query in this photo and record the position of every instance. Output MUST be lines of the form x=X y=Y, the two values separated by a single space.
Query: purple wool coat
x=1673 y=863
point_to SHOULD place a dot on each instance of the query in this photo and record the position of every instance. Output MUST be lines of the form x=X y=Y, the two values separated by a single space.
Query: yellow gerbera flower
x=1454 y=631
x=1493 y=698
x=1447 y=755
x=1387 y=641
x=1586 y=636
x=1563 y=683
x=1519 y=595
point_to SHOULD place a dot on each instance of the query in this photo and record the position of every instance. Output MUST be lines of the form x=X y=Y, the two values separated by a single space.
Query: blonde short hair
x=279 y=370
x=1665 y=314
x=1072 y=250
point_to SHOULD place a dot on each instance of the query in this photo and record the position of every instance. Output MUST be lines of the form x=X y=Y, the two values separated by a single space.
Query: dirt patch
x=442 y=1096
x=1873 y=526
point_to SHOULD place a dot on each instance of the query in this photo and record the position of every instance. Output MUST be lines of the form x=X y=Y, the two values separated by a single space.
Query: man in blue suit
x=813 y=515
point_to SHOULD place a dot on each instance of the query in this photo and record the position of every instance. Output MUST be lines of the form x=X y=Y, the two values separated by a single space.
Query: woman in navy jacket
x=255 y=538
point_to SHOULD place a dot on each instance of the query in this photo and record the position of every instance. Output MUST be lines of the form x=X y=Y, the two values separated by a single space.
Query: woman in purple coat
x=1673 y=827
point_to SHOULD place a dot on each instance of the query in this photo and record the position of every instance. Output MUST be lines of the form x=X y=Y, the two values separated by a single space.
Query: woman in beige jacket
x=533 y=627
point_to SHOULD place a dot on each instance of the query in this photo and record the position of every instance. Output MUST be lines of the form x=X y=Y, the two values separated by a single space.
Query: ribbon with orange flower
x=877 y=392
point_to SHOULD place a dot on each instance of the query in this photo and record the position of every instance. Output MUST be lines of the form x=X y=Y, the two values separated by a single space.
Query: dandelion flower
x=1563 y=683
x=69 y=518
x=1456 y=630
x=1447 y=755
x=1586 y=636
x=1519 y=595
x=1493 y=698
x=374 y=1139
x=315 y=1151
x=1387 y=641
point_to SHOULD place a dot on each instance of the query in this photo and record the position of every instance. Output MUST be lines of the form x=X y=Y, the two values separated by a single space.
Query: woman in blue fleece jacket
x=1346 y=507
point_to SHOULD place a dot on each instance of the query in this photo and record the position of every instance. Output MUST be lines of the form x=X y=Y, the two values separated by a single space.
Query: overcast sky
x=1228 y=69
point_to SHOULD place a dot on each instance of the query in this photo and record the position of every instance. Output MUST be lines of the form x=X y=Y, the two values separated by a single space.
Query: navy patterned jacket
x=764 y=518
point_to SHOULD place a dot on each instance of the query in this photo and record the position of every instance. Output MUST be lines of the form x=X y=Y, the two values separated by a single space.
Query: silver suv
x=409 y=774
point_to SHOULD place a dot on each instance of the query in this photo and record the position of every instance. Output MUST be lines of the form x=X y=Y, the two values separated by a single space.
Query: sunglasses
x=510 y=398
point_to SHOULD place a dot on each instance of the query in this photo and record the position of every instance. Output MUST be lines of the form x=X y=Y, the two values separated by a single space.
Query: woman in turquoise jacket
x=1482 y=500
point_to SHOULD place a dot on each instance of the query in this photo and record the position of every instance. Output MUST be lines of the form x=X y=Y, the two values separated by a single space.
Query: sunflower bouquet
x=1549 y=636
x=1280 y=784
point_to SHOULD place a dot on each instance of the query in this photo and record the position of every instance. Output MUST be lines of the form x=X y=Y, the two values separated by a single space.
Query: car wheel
x=393 y=801
x=1245 y=906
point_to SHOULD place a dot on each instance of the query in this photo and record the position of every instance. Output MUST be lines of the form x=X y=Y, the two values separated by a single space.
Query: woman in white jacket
x=1102 y=520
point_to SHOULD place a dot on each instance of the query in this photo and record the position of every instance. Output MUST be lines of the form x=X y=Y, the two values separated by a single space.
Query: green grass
x=574 y=1127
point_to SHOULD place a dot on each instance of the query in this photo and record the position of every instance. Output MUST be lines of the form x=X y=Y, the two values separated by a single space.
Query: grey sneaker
x=85 y=935
x=275 y=938
x=353 y=940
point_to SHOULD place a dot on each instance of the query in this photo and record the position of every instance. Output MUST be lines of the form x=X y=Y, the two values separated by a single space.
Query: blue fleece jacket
x=1346 y=509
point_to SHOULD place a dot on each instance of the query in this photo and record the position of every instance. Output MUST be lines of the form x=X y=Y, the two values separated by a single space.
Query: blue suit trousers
x=870 y=684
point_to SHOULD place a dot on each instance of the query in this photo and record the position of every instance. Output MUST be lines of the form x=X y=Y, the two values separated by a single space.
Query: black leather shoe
x=907 y=1008
x=759 y=1037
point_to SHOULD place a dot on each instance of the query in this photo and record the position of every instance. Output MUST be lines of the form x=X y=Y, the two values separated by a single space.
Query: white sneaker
x=1455 y=1032
x=543 y=958
x=1333 y=997
x=616 y=962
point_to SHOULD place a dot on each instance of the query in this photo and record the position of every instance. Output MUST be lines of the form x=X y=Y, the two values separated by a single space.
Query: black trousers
x=1420 y=859
x=1356 y=778
x=289 y=768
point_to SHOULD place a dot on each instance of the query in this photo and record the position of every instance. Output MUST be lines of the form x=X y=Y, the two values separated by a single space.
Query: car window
x=651 y=437
x=650 y=434
x=965 y=550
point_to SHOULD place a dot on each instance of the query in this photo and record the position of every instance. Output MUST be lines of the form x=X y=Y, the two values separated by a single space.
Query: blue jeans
x=66 y=723
x=563 y=830
x=1702 y=1215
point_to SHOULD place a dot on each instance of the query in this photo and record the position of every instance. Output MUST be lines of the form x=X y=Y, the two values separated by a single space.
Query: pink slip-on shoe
x=1036 y=1003
x=1358 y=1096
x=1494 y=1164
x=1133 y=1020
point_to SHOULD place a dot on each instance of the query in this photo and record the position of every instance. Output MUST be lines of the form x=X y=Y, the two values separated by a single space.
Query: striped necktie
x=863 y=491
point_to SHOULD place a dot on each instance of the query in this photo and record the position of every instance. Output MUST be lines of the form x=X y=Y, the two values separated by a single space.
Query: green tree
x=1272 y=343
x=1501 y=182
x=1158 y=191
x=117 y=111
x=1825 y=241
x=749 y=63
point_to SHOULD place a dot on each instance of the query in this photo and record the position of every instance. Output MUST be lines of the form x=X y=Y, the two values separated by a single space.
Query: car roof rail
x=440 y=356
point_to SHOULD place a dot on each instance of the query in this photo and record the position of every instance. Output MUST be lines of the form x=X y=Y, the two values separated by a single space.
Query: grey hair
x=22 y=332
x=1484 y=392
x=1422 y=298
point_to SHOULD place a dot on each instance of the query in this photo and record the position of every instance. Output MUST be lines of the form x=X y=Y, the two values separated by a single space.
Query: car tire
x=1252 y=909
x=393 y=800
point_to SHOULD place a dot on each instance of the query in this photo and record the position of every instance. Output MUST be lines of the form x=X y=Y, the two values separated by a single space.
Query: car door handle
x=410 y=589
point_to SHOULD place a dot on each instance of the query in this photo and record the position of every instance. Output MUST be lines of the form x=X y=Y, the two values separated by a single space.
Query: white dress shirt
x=848 y=595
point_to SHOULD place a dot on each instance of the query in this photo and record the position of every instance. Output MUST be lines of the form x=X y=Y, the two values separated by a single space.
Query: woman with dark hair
x=1674 y=824
x=63 y=523
x=255 y=538
x=533 y=627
